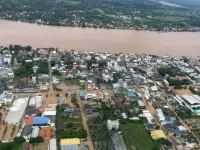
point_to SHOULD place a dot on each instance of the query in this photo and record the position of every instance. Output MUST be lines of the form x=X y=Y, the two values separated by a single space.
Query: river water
x=101 y=40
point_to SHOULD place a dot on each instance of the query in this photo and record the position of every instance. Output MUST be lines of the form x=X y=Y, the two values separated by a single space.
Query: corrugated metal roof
x=69 y=147
x=82 y=94
x=40 y=120
x=71 y=141
x=157 y=134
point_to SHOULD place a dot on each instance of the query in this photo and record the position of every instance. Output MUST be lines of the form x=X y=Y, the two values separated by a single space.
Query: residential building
x=112 y=124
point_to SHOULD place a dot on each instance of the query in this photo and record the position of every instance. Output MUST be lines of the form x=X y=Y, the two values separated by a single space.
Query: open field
x=135 y=136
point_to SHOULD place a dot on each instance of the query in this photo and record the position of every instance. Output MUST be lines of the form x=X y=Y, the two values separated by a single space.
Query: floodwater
x=100 y=40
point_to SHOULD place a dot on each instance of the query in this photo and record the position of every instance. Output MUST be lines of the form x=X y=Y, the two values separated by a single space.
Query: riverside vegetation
x=127 y=14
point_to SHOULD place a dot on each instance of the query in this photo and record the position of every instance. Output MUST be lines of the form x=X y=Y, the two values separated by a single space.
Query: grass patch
x=135 y=135
x=16 y=80
x=73 y=81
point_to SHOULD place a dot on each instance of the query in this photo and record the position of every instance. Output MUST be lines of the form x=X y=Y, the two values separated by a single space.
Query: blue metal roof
x=130 y=94
x=82 y=94
x=40 y=120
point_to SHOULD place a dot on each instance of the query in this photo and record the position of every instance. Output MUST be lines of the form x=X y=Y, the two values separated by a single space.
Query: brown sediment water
x=100 y=40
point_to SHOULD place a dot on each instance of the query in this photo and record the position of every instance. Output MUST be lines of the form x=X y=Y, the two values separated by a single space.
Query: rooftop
x=71 y=141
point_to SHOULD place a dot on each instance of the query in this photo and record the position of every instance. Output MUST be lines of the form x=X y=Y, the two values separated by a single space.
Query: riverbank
x=192 y=30
x=100 y=40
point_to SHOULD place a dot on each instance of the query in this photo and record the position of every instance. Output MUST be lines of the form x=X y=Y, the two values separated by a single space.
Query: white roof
x=52 y=144
x=154 y=88
x=32 y=102
x=148 y=115
x=140 y=103
x=191 y=99
x=49 y=113
x=17 y=110
x=35 y=131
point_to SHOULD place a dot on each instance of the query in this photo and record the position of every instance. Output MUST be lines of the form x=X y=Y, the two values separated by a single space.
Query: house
x=82 y=95
x=35 y=132
x=149 y=126
x=67 y=108
x=88 y=109
x=52 y=144
x=159 y=114
x=41 y=121
x=61 y=99
x=70 y=144
x=26 y=132
x=45 y=133
x=112 y=124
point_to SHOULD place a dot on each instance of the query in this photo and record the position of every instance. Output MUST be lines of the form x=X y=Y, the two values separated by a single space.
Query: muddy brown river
x=101 y=40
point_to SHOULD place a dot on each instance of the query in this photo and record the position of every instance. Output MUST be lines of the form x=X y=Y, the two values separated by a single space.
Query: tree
x=28 y=48
x=56 y=72
x=66 y=94
x=38 y=139
x=19 y=139
x=69 y=125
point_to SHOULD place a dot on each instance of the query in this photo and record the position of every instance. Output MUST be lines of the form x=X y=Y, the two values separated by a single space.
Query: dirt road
x=84 y=118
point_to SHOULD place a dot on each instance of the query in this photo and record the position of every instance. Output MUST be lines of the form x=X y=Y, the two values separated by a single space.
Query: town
x=74 y=100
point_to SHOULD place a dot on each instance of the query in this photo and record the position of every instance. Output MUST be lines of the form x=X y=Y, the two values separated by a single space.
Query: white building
x=148 y=115
x=38 y=100
x=193 y=101
x=113 y=124
x=55 y=80
x=7 y=58
x=35 y=132
x=159 y=114
x=17 y=110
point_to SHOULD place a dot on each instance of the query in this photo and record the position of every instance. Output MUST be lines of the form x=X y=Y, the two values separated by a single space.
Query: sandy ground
x=8 y=133
x=182 y=91
x=9 y=130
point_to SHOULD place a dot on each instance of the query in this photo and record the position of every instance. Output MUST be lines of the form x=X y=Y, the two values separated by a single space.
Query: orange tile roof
x=45 y=133
x=29 y=120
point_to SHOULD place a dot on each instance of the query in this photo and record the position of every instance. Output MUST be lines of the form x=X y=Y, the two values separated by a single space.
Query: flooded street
x=101 y=40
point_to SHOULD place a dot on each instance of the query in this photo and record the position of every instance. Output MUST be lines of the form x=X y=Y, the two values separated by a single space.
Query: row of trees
x=178 y=83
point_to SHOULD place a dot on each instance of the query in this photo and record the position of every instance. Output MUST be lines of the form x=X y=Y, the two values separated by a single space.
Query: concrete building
x=113 y=124
x=159 y=114
x=38 y=100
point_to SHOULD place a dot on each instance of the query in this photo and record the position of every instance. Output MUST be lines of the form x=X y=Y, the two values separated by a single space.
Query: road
x=85 y=125
x=151 y=109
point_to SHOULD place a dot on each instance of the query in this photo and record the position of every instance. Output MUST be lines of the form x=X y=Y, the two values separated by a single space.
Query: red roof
x=45 y=133
x=95 y=65
x=24 y=78
x=29 y=120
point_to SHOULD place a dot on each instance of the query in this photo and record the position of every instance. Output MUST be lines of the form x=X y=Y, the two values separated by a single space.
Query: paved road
x=84 y=118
